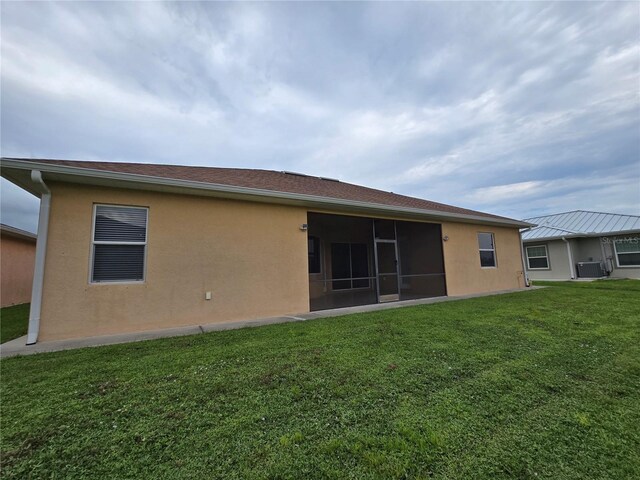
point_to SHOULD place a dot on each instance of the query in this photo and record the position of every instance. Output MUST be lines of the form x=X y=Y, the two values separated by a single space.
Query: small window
x=314 y=255
x=537 y=258
x=487 y=249
x=627 y=251
x=119 y=244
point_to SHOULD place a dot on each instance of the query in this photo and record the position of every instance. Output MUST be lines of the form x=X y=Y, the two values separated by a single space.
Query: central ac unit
x=590 y=270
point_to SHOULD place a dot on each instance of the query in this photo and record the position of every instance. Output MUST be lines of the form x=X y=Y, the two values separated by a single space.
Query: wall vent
x=296 y=174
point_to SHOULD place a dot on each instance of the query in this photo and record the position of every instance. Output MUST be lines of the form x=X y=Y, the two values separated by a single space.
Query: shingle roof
x=288 y=182
x=580 y=222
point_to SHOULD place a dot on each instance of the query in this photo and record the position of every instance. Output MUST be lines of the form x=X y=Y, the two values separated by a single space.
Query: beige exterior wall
x=17 y=258
x=462 y=259
x=251 y=256
x=464 y=275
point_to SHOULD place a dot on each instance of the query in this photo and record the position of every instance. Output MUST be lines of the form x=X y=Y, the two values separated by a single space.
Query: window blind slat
x=629 y=259
x=118 y=263
x=623 y=246
x=539 y=262
x=536 y=252
x=115 y=224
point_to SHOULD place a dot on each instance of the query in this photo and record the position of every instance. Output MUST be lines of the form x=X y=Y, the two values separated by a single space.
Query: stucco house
x=582 y=244
x=17 y=256
x=128 y=247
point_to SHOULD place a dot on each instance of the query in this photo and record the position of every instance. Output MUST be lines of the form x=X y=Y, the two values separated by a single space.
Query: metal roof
x=580 y=223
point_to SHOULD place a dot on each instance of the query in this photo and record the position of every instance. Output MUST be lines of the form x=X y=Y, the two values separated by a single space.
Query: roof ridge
x=581 y=223
x=51 y=160
x=554 y=214
x=555 y=228
x=584 y=211
x=205 y=167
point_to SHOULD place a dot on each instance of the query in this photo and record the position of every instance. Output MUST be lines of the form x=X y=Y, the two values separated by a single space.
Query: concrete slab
x=18 y=346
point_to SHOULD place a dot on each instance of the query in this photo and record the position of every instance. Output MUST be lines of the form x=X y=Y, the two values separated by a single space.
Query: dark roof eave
x=111 y=178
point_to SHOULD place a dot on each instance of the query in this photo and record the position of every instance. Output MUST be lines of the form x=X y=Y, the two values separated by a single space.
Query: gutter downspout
x=524 y=271
x=41 y=251
x=571 y=268
x=605 y=260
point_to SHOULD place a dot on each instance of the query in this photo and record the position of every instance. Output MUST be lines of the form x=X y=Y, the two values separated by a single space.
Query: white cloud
x=500 y=193
x=513 y=108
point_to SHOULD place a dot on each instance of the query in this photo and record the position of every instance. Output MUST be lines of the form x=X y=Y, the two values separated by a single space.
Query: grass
x=605 y=284
x=538 y=384
x=13 y=322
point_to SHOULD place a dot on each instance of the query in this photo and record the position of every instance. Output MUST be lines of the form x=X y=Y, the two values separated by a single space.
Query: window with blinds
x=119 y=244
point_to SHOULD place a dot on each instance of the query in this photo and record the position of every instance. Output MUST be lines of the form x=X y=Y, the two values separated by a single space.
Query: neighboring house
x=582 y=244
x=131 y=247
x=17 y=255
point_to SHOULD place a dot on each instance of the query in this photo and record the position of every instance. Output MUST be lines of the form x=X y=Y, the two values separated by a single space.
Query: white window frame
x=617 y=258
x=495 y=254
x=94 y=243
x=546 y=255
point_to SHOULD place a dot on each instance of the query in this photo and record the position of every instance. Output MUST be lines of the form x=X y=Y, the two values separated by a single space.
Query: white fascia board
x=251 y=194
x=17 y=233
x=581 y=235
x=549 y=239
x=615 y=234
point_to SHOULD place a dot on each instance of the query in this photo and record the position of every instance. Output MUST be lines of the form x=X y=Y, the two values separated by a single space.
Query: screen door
x=387 y=271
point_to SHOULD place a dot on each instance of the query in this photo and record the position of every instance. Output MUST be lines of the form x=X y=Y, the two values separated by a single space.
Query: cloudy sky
x=516 y=109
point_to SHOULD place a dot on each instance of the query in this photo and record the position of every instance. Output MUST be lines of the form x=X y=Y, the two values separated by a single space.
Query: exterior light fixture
x=304 y=227
x=445 y=238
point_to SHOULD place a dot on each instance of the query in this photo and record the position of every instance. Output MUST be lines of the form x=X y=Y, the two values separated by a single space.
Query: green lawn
x=606 y=284
x=538 y=384
x=13 y=322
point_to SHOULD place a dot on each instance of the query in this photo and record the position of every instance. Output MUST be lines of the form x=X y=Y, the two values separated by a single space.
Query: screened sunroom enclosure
x=358 y=261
